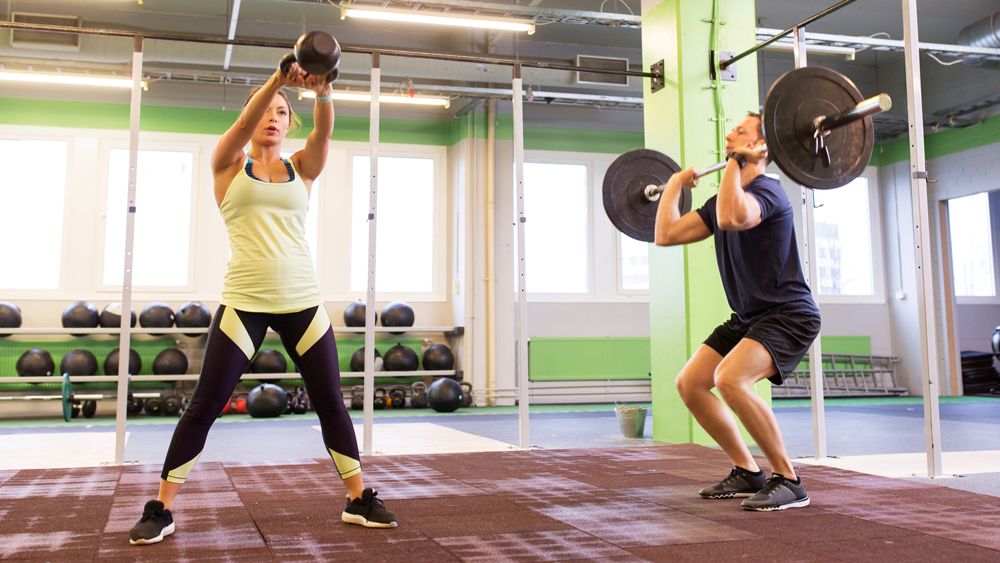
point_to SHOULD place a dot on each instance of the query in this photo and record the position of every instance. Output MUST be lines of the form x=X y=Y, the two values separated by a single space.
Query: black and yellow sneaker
x=778 y=494
x=739 y=483
x=156 y=523
x=368 y=511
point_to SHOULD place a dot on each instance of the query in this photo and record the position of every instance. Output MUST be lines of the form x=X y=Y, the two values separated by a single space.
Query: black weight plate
x=794 y=101
x=625 y=201
x=67 y=394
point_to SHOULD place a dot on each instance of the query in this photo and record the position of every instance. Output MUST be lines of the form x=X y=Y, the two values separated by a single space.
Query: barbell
x=71 y=401
x=817 y=129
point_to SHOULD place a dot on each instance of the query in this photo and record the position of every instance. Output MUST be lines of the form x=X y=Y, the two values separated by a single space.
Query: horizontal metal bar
x=501 y=61
x=192 y=330
x=724 y=64
x=858 y=41
x=194 y=376
x=865 y=108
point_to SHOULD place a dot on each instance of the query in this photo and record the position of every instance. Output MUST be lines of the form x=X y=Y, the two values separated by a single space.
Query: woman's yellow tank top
x=271 y=269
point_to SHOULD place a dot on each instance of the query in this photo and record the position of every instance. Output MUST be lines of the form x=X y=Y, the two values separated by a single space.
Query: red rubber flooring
x=623 y=504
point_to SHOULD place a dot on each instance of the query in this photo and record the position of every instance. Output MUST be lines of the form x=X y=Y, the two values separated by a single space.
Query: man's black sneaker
x=368 y=511
x=739 y=483
x=778 y=494
x=156 y=523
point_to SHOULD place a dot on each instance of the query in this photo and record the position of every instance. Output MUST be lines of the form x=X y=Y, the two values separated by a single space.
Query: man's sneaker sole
x=362 y=521
x=163 y=533
x=728 y=495
x=796 y=504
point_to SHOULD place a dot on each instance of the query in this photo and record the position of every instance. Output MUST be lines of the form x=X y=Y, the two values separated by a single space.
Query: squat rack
x=918 y=183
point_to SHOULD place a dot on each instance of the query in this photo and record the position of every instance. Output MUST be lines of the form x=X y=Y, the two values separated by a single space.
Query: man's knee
x=730 y=380
x=689 y=384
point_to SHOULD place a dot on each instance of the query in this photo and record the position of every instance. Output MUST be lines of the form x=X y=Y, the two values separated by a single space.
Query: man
x=774 y=322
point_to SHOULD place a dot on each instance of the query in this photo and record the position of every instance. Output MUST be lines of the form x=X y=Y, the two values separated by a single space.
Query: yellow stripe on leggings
x=347 y=466
x=232 y=326
x=317 y=328
x=180 y=474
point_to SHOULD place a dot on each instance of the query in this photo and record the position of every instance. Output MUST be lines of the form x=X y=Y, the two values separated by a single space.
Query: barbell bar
x=817 y=129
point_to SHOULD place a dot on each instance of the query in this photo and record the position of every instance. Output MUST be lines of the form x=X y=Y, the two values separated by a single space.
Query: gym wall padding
x=686 y=297
x=582 y=359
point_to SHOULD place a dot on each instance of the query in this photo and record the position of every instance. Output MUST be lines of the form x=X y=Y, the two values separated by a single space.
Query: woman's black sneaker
x=778 y=494
x=368 y=511
x=156 y=523
x=739 y=483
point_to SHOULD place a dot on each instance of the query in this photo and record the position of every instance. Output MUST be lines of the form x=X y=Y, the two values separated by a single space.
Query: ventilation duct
x=42 y=39
x=984 y=33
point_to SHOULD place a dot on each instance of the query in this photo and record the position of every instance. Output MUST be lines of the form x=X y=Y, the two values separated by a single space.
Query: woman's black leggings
x=233 y=339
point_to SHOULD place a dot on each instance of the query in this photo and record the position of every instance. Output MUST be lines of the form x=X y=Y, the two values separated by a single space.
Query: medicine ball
x=268 y=361
x=10 y=316
x=439 y=357
x=318 y=53
x=35 y=363
x=111 y=362
x=444 y=395
x=157 y=315
x=78 y=362
x=111 y=316
x=80 y=315
x=170 y=361
x=358 y=359
x=400 y=358
x=397 y=313
x=193 y=314
x=354 y=314
x=267 y=400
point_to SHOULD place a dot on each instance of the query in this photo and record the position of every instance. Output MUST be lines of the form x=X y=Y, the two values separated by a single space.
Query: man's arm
x=671 y=227
x=736 y=209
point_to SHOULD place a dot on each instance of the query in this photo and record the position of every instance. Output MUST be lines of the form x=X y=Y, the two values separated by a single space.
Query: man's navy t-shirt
x=760 y=266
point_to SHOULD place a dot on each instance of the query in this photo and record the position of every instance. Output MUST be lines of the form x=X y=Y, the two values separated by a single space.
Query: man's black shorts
x=786 y=333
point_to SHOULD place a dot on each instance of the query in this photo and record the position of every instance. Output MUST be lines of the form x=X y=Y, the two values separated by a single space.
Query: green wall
x=440 y=132
x=942 y=143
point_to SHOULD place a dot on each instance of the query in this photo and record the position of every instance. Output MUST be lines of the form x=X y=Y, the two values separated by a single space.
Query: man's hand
x=753 y=155
x=687 y=177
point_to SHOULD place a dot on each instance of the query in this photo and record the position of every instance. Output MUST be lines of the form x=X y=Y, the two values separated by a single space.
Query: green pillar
x=686 y=297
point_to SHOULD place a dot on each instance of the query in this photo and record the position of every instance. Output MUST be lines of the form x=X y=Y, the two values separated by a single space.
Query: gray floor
x=852 y=430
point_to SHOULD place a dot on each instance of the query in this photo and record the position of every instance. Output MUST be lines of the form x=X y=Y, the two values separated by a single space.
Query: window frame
x=16 y=132
x=877 y=244
x=440 y=271
x=118 y=142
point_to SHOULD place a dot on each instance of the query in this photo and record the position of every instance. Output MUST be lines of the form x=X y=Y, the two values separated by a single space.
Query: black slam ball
x=400 y=358
x=111 y=362
x=35 y=363
x=266 y=401
x=439 y=357
x=397 y=313
x=444 y=395
x=78 y=362
x=354 y=314
x=269 y=361
x=10 y=316
x=157 y=315
x=80 y=315
x=170 y=361
x=111 y=316
x=358 y=359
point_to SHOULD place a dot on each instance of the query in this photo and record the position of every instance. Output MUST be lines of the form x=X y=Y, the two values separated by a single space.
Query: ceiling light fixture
x=438 y=18
x=67 y=79
x=348 y=96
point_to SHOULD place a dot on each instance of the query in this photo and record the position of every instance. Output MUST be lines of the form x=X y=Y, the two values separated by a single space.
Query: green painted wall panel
x=942 y=143
x=686 y=296
x=567 y=359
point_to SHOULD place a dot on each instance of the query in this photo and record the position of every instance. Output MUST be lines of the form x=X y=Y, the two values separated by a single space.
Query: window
x=32 y=195
x=972 y=246
x=162 y=240
x=634 y=263
x=843 y=235
x=556 y=234
x=406 y=221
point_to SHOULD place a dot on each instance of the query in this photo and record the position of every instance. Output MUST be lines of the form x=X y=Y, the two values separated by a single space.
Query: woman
x=270 y=282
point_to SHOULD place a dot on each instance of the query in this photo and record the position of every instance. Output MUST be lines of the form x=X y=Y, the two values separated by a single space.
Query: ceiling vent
x=45 y=39
x=603 y=63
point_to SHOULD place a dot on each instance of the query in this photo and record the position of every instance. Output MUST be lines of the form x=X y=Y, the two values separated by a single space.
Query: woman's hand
x=317 y=84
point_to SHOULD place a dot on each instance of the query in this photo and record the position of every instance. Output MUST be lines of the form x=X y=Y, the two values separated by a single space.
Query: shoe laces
x=370 y=498
x=732 y=477
x=773 y=484
x=149 y=514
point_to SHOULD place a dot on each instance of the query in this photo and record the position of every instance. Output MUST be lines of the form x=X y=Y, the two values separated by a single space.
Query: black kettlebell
x=418 y=395
x=380 y=399
x=172 y=405
x=398 y=394
x=357 y=397
x=466 y=393
x=133 y=406
x=154 y=406
x=318 y=53
x=89 y=409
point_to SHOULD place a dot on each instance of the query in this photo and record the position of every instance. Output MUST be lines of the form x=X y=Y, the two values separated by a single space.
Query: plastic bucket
x=632 y=420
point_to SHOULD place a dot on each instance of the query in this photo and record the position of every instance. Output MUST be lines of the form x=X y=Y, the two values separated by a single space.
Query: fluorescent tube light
x=438 y=18
x=360 y=96
x=69 y=79
x=789 y=47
